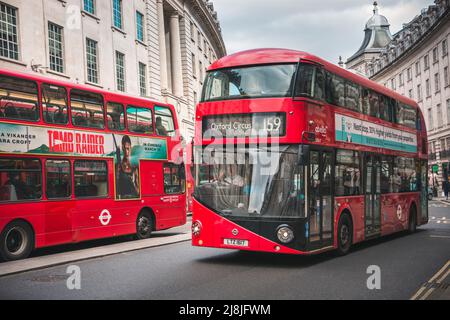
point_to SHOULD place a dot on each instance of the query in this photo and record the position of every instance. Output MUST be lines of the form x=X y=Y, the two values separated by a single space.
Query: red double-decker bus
x=78 y=164
x=296 y=155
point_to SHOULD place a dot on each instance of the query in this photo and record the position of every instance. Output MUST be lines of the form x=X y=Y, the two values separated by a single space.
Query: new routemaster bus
x=296 y=155
x=78 y=163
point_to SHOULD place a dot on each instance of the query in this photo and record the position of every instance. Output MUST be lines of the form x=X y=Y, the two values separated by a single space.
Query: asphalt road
x=180 y=271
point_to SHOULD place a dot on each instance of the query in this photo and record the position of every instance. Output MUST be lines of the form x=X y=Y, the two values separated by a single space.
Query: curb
x=33 y=264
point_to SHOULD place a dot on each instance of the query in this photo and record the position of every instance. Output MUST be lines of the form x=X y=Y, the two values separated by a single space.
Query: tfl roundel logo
x=105 y=217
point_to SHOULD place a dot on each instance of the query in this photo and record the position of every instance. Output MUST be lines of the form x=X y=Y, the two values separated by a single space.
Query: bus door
x=321 y=198
x=372 y=178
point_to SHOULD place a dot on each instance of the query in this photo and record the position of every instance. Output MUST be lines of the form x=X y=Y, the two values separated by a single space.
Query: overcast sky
x=327 y=28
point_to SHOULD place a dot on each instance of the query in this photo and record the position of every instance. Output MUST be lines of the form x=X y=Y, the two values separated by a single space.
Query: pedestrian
x=446 y=187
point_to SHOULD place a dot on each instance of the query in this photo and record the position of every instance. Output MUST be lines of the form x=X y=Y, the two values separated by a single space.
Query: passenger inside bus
x=160 y=129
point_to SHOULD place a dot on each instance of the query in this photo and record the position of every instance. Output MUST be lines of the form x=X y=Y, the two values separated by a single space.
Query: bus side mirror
x=303 y=155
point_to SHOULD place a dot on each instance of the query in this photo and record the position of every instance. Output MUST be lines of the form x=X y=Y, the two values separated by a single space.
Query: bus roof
x=68 y=84
x=277 y=56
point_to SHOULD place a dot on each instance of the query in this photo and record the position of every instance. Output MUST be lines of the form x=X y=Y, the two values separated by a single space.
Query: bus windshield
x=250 y=182
x=250 y=82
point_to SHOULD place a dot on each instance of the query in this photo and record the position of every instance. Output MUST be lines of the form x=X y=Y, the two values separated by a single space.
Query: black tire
x=345 y=234
x=16 y=241
x=412 y=222
x=144 y=225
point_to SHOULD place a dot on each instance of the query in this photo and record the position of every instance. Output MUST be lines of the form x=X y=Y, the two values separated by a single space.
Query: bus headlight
x=285 y=234
x=196 y=228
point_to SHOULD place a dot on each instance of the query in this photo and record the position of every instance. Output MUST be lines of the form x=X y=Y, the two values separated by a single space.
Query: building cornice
x=204 y=11
x=401 y=36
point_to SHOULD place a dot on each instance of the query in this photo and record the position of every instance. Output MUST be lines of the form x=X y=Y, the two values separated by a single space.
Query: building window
x=400 y=79
x=140 y=26
x=120 y=71
x=142 y=79
x=419 y=92
x=9 y=44
x=192 y=31
x=448 y=111
x=428 y=87
x=199 y=39
x=409 y=74
x=418 y=68
x=393 y=84
x=55 y=46
x=446 y=80
x=89 y=6
x=430 y=119
x=444 y=47
x=200 y=71
x=117 y=13
x=410 y=93
x=91 y=60
x=440 y=120
x=194 y=66
x=435 y=55
x=426 y=62
x=437 y=82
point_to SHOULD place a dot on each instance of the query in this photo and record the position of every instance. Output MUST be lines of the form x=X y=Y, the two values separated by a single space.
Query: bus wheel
x=412 y=224
x=16 y=241
x=144 y=225
x=345 y=235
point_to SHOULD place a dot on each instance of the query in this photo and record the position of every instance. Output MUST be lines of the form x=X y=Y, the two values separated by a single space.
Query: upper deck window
x=18 y=99
x=140 y=120
x=250 y=82
x=164 y=122
x=87 y=109
x=54 y=102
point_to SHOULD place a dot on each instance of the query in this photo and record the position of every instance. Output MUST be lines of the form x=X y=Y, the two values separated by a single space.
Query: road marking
x=431 y=282
x=440 y=237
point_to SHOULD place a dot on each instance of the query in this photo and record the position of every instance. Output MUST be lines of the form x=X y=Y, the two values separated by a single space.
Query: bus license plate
x=235 y=242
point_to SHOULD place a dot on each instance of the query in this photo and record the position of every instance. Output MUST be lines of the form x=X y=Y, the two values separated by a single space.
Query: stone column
x=162 y=46
x=175 y=46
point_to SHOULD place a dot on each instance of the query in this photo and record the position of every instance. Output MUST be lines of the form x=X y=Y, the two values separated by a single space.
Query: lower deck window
x=174 y=178
x=91 y=179
x=59 y=180
x=20 y=179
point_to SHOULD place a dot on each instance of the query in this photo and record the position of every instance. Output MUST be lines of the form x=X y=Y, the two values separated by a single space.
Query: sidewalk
x=161 y=238
x=437 y=288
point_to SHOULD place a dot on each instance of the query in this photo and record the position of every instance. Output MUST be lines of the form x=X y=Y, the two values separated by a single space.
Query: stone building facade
x=158 y=49
x=416 y=63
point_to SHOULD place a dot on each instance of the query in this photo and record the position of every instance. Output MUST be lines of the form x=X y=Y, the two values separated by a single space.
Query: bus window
x=384 y=108
x=116 y=116
x=335 y=90
x=87 y=109
x=386 y=175
x=139 y=120
x=91 y=179
x=18 y=99
x=54 y=102
x=164 y=122
x=374 y=107
x=20 y=179
x=352 y=97
x=174 y=179
x=406 y=115
x=348 y=174
x=59 y=179
x=310 y=82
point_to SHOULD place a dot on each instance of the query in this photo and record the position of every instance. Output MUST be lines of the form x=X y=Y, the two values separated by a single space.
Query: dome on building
x=377 y=34
x=377 y=20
